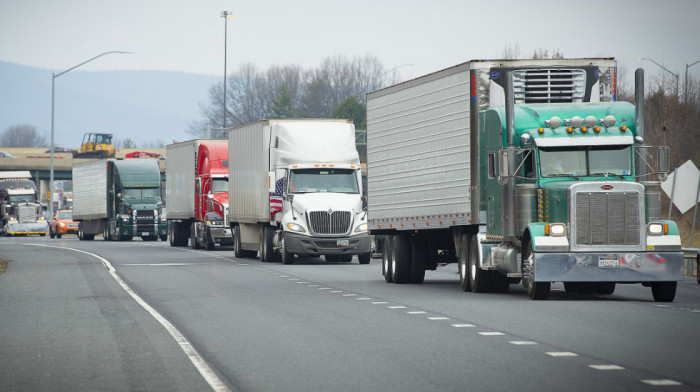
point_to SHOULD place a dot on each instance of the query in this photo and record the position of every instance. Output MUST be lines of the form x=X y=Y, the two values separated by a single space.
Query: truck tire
x=332 y=258
x=535 y=290
x=386 y=259
x=364 y=258
x=463 y=259
x=664 y=291
x=400 y=259
x=105 y=233
x=51 y=234
x=193 y=238
x=418 y=254
x=287 y=258
x=237 y=251
x=267 y=252
x=346 y=258
x=208 y=241
x=481 y=281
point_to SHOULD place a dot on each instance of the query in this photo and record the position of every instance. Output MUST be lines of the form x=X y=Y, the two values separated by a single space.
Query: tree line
x=334 y=89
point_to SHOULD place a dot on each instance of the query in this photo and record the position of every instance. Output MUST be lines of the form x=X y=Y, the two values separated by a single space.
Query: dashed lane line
x=606 y=367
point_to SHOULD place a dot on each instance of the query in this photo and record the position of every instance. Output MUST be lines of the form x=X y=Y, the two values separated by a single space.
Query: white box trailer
x=295 y=188
x=180 y=172
x=90 y=190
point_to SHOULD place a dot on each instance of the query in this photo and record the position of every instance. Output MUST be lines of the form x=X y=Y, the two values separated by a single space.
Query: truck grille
x=549 y=85
x=27 y=214
x=607 y=218
x=330 y=222
x=144 y=217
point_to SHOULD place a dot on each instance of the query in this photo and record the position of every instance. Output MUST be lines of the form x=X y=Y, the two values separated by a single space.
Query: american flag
x=276 y=198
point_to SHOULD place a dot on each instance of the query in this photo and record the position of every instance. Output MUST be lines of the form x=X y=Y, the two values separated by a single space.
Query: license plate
x=145 y=233
x=343 y=242
x=608 y=262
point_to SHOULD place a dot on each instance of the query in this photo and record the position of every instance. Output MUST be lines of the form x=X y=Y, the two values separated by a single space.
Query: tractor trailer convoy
x=197 y=193
x=20 y=212
x=296 y=189
x=119 y=199
x=520 y=170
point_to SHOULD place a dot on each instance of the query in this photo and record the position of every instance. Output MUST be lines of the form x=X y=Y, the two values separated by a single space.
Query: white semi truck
x=295 y=188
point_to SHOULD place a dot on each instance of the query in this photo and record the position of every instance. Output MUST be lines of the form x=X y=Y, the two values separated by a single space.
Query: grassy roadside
x=3 y=265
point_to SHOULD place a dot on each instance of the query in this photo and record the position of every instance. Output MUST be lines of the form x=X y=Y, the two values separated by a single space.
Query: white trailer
x=295 y=188
x=90 y=190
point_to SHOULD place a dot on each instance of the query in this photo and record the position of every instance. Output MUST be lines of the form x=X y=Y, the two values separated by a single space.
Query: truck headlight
x=658 y=229
x=361 y=228
x=125 y=218
x=215 y=223
x=295 y=227
x=555 y=229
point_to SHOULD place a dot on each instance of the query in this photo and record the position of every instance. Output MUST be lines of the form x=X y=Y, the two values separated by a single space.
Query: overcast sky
x=417 y=36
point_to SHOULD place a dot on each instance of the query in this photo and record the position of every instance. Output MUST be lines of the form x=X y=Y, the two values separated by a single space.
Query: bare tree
x=23 y=135
x=252 y=95
x=511 y=51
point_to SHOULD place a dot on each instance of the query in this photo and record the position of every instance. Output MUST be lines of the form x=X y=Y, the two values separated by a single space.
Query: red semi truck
x=197 y=193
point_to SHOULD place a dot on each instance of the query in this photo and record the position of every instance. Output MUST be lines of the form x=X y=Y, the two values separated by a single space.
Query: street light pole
x=225 y=15
x=685 y=88
x=667 y=70
x=53 y=83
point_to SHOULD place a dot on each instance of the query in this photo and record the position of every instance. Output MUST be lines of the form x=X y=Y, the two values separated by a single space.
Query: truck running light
x=569 y=129
x=597 y=129
x=657 y=229
x=623 y=128
x=540 y=130
x=584 y=129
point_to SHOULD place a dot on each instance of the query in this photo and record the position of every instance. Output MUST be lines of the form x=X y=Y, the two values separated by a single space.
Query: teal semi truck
x=520 y=171
x=119 y=199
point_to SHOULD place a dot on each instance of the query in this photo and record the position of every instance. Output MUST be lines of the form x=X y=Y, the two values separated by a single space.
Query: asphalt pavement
x=68 y=323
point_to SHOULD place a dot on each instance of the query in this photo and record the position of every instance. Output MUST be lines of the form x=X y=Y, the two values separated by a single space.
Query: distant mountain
x=147 y=107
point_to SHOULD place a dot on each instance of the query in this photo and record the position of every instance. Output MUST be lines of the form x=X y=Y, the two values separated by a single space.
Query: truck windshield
x=141 y=193
x=219 y=185
x=586 y=161
x=323 y=180
x=22 y=198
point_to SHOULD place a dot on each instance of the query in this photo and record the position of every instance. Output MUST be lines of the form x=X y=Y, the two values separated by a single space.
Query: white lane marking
x=417 y=312
x=349 y=295
x=491 y=333
x=199 y=363
x=396 y=307
x=313 y=285
x=243 y=264
x=462 y=325
x=662 y=383
x=438 y=318
x=303 y=282
x=379 y=302
x=336 y=291
x=562 y=354
x=293 y=279
x=324 y=288
x=606 y=367
x=165 y=264
x=522 y=342
x=363 y=298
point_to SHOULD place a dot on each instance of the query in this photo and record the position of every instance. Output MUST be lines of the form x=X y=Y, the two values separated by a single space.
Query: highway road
x=125 y=316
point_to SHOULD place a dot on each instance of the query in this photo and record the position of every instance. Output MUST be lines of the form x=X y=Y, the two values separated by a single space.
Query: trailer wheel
x=481 y=281
x=386 y=259
x=346 y=258
x=664 y=291
x=463 y=259
x=401 y=259
x=364 y=258
x=418 y=254
x=105 y=233
x=287 y=258
x=535 y=290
